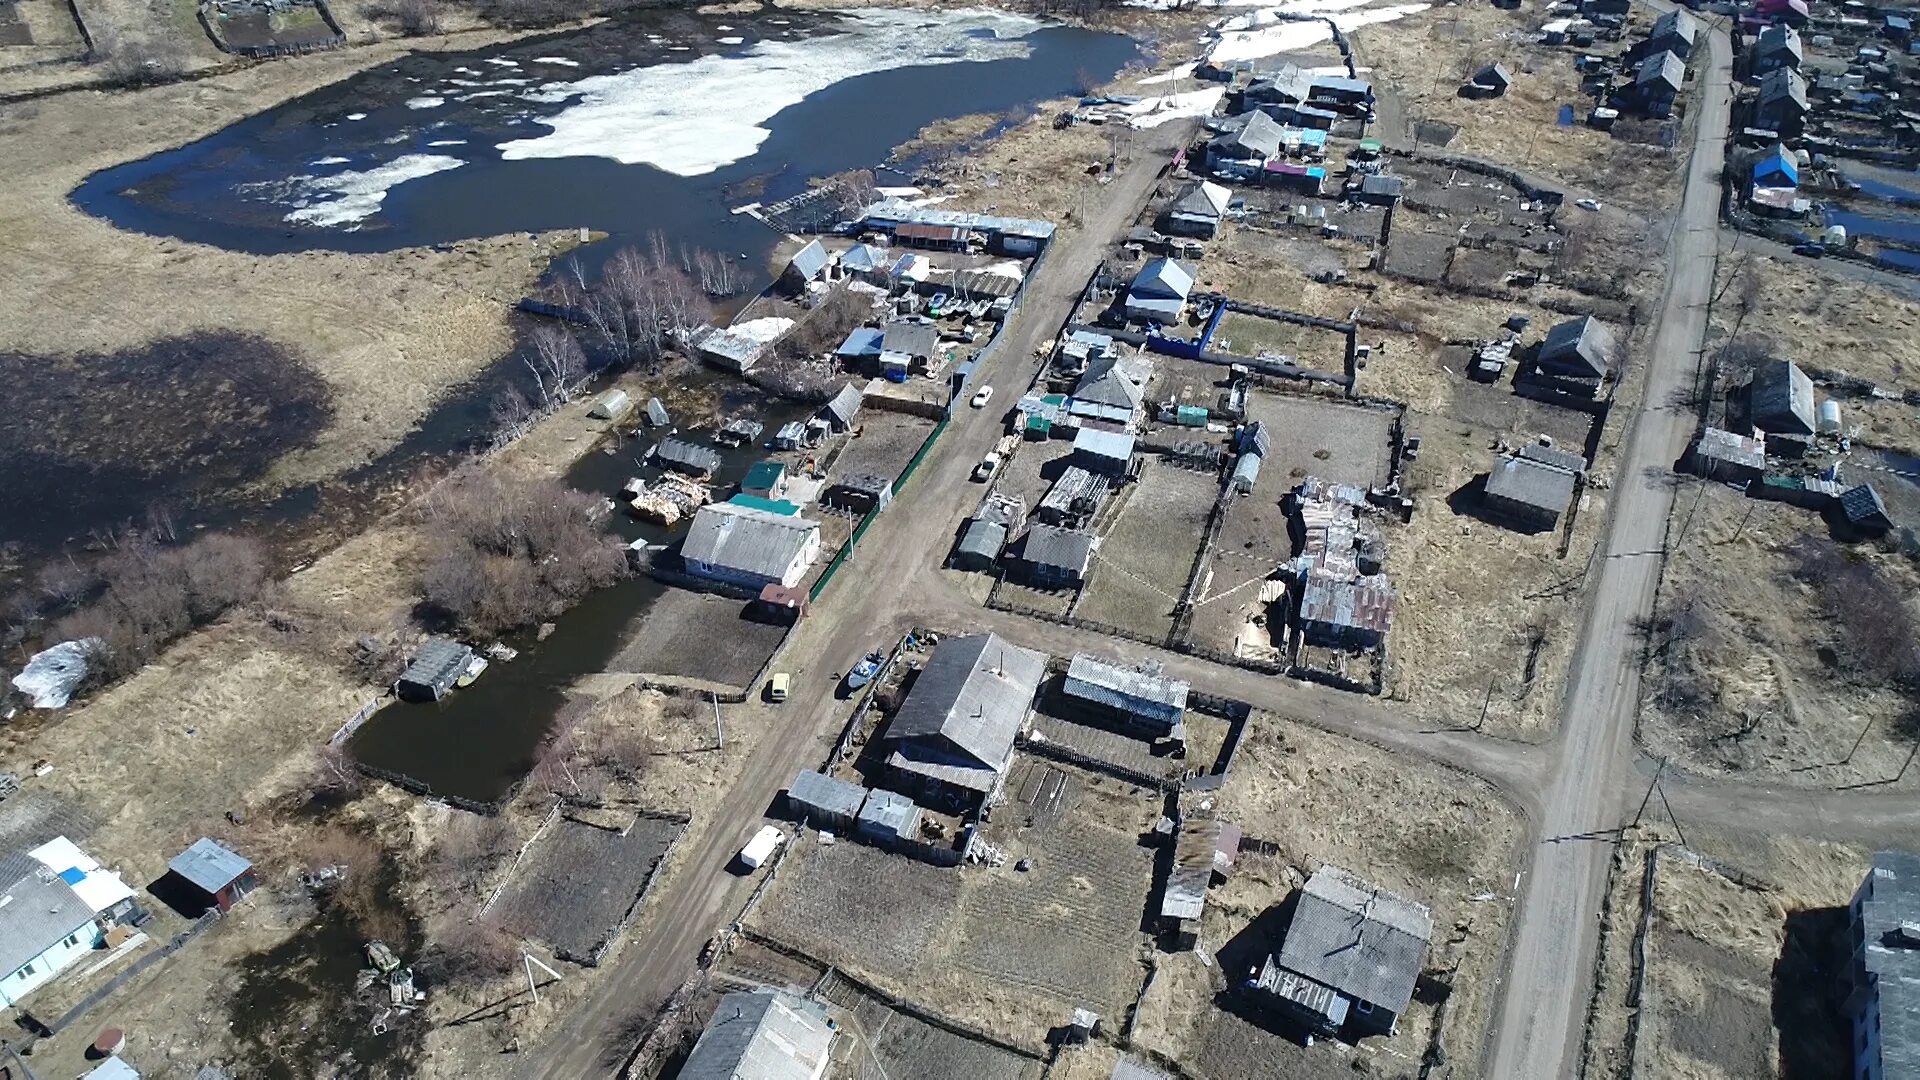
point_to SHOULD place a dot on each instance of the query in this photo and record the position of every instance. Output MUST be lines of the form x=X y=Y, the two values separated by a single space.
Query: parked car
x=981 y=398
x=1811 y=250
x=987 y=467
x=779 y=686
x=1587 y=204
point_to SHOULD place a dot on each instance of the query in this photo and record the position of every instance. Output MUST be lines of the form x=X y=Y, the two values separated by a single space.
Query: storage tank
x=1829 y=417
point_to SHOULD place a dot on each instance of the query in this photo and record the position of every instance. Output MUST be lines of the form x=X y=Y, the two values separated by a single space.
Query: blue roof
x=73 y=875
x=1162 y=278
x=1899 y=22
x=1777 y=162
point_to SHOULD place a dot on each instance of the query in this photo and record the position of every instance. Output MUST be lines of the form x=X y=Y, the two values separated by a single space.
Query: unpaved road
x=1556 y=928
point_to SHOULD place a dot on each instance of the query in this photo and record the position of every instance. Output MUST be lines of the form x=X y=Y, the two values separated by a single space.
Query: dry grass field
x=1141 y=568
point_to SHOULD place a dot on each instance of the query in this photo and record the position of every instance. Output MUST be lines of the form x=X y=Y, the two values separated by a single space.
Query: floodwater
x=478 y=742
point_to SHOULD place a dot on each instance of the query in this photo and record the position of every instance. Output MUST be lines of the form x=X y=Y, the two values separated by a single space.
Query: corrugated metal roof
x=1108 y=445
x=1780 y=399
x=687 y=457
x=973 y=695
x=1205 y=199
x=810 y=261
x=812 y=791
x=865 y=259
x=1317 y=998
x=1361 y=940
x=1554 y=456
x=437 y=661
x=861 y=341
x=1078 y=486
x=912 y=337
x=1583 y=348
x=39 y=911
x=897 y=210
x=984 y=539
x=1064 y=549
x=1141 y=693
x=210 y=866
x=1662 y=68
x=744 y=539
x=1363 y=603
x=1742 y=450
x=845 y=405
x=1203 y=847
x=762 y=1035
x=890 y=813
x=1530 y=483
x=1128 y=1069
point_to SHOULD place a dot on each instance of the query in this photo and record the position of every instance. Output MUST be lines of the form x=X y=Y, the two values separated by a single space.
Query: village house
x=682 y=456
x=980 y=545
x=1204 y=851
x=1583 y=348
x=1143 y=702
x=1159 y=292
x=749 y=546
x=56 y=905
x=763 y=1035
x=952 y=738
x=1379 y=189
x=1727 y=456
x=844 y=407
x=1778 y=47
x=214 y=872
x=1113 y=388
x=1350 y=957
x=808 y=266
x=1657 y=83
x=1529 y=490
x=1198 y=210
x=1238 y=154
x=1056 y=558
x=868 y=263
x=823 y=801
x=1345 y=613
x=1782 y=104
x=1673 y=32
x=889 y=818
x=1779 y=399
x=1341 y=94
x=907 y=345
x=1883 y=1005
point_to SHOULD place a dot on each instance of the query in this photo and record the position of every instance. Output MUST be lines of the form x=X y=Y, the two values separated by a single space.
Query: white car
x=985 y=395
x=1587 y=204
x=987 y=467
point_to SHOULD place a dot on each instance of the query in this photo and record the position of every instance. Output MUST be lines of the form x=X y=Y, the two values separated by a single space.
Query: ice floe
x=428 y=102
x=349 y=197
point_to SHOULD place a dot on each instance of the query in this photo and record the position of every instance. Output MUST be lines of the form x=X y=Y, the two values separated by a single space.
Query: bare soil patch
x=575 y=886
x=1142 y=566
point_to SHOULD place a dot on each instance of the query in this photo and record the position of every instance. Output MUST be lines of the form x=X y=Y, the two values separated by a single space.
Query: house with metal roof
x=1238 y=154
x=1673 y=32
x=435 y=667
x=1728 y=456
x=1003 y=235
x=1204 y=851
x=1246 y=472
x=861 y=343
x=56 y=905
x=763 y=479
x=1528 y=494
x=1883 y=1003
x=1198 y=210
x=1074 y=498
x=867 y=262
x=1490 y=81
x=687 y=457
x=841 y=411
x=1159 y=292
x=762 y=1035
x=1380 y=189
x=889 y=817
x=1108 y=453
x=1056 y=558
x=807 y=266
x=1340 y=94
x=1657 y=82
x=905 y=344
x=748 y=546
x=1780 y=399
x=1865 y=510
x=1345 y=613
x=1113 y=388
x=860 y=492
x=214 y=871
x=1350 y=957
x=824 y=801
x=1776 y=169
x=1778 y=47
x=952 y=738
x=1782 y=105
x=1143 y=701
x=1583 y=348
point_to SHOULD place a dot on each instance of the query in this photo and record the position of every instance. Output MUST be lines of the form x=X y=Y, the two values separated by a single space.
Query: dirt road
x=1555 y=932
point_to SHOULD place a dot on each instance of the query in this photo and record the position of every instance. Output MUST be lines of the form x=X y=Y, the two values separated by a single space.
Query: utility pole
x=1648 y=797
x=719 y=733
x=1484 y=705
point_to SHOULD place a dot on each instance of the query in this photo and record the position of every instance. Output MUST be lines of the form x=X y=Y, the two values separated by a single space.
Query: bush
x=136 y=63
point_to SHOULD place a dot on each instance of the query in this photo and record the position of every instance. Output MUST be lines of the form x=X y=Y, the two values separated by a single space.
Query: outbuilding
x=1056 y=558
x=980 y=545
x=1345 y=613
x=889 y=817
x=1780 y=399
x=1582 y=348
x=1109 y=453
x=1725 y=455
x=824 y=801
x=214 y=871
x=807 y=266
x=682 y=456
x=435 y=667
x=1527 y=494
x=1144 y=701
x=844 y=408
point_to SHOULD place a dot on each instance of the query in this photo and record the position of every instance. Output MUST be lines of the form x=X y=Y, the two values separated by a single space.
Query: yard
x=1338 y=442
x=1141 y=568
x=698 y=636
x=576 y=885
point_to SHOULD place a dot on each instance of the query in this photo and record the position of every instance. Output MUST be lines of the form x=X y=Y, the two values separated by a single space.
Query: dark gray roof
x=686 y=456
x=1493 y=75
x=1359 y=939
x=1254 y=437
x=1583 y=348
x=438 y=661
x=1863 y=506
x=911 y=337
x=844 y=406
x=746 y=539
x=1783 y=86
x=209 y=865
x=1108 y=383
x=40 y=910
x=1678 y=23
x=1065 y=548
x=1554 y=456
x=1203 y=200
x=809 y=261
x=1162 y=278
x=1530 y=483
x=1259 y=137
x=810 y=791
x=1142 y=693
x=1662 y=68
x=1128 y=1069
x=762 y=1035
x=1780 y=399
x=860 y=341
x=1779 y=39
x=1383 y=184
x=973 y=695
x=1890 y=901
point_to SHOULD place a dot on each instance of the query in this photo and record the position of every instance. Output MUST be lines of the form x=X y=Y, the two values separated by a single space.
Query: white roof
x=100 y=889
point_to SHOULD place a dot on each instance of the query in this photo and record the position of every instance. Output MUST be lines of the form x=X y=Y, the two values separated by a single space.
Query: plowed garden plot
x=580 y=882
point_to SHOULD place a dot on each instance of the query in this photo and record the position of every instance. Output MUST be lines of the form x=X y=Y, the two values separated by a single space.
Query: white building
x=56 y=905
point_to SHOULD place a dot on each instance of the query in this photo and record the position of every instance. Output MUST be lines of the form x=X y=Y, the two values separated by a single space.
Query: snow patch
x=329 y=161
x=426 y=102
x=497 y=61
x=561 y=60
x=1184 y=71
x=1260 y=34
x=691 y=119
x=731 y=40
x=448 y=142
x=354 y=195
x=1158 y=110
x=356 y=116
x=761 y=331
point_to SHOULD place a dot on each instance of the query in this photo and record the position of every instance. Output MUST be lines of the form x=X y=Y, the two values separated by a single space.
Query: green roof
x=764 y=474
x=772 y=506
x=1037 y=422
x=1053 y=399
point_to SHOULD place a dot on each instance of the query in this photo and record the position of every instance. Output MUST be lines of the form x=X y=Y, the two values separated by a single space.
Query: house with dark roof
x=1198 y=210
x=435 y=667
x=1528 y=494
x=762 y=1035
x=807 y=266
x=1583 y=348
x=906 y=344
x=1673 y=32
x=823 y=801
x=1883 y=1002
x=1379 y=189
x=1350 y=957
x=1657 y=82
x=952 y=738
x=1113 y=388
x=1056 y=558
x=1159 y=292
x=1489 y=82
x=749 y=546
x=1780 y=399
x=1147 y=702
x=1778 y=47
x=1864 y=510
x=1782 y=104
x=214 y=872
x=979 y=546
x=1340 y=94
x=1240 y=153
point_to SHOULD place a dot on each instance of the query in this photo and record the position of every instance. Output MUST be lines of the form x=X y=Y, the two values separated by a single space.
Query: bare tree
x=557 y=363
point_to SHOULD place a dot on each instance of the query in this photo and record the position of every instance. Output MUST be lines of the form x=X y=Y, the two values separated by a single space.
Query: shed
x=1246 y=472
x=1528 y=494
x=1493 y=80
x=612 y=405
x=1346 y=613
x=1359 y=940
x=823 y=800
x=862 y=493
x=1204 y=851
x=782 y=603
x=763 y=479
x=657 y=413
x=435 y=666
x=762 y=1035
x=686 y=457
x=841 y=411
x=1056 y=558
x=906 y=342
x=1380 y=189
x=980 y=545
x=1582 y=348
x=1780 y=399
x=866 y=261
x=1074 y=498
x=1142 y=700
x=1724 y=455
x=861 y=343
x=1106 y=452
x=1864 y=510
x=889 y=817
x=1776 y=169
x=212 y=868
